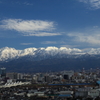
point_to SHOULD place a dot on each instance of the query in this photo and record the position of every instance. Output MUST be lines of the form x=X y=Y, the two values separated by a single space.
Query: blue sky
x=43 y=23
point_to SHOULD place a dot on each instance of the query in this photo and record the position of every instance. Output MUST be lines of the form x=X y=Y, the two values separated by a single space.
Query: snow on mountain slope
x=28 y=51
x=7 y=53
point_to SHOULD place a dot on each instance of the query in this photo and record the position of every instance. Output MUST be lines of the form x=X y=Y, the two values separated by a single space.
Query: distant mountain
x=50 y=58
x=7 y=53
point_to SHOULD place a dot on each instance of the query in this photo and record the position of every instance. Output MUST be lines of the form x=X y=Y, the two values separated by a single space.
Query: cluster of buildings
x=64 y=85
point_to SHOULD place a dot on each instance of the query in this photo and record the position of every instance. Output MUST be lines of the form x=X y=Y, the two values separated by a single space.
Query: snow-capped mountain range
x=7 y=53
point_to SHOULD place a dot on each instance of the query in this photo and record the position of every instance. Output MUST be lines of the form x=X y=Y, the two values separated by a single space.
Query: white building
x=93 y=93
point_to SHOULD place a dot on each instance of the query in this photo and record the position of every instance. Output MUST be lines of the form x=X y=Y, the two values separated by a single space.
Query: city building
x=3 y=72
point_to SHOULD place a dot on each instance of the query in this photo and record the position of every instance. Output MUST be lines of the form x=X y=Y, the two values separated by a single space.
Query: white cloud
x=93 y=39
x=49 y=42
x=93 y=3
x=30 y=27
x=26 y=43
x=27 y=25
x=27 y=3
x=41 y=34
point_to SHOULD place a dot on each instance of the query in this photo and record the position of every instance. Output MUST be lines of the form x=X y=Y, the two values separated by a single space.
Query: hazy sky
x=42 y=23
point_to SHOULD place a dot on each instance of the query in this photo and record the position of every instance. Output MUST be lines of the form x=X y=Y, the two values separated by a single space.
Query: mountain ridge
x=8 y=53
x=50 y=58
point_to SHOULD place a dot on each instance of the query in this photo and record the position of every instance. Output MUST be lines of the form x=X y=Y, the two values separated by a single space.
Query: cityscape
x=49 y=49
x=63 y=85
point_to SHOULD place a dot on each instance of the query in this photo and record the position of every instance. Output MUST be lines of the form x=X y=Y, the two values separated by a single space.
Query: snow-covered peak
x=69 y=50
x=51 y=48
x=64 y=48
x=41 y=48
x=28 y=51
x=8 y=53
x=92 y=51
x=11 y=53
x=52 y=51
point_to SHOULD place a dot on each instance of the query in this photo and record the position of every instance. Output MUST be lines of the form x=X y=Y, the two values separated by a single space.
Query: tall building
x=68 y=74
x=3 y=72
x=12 y=75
